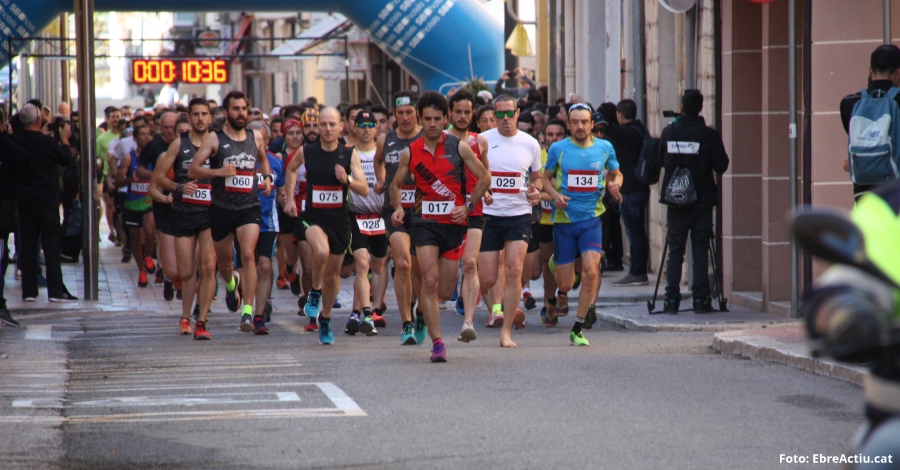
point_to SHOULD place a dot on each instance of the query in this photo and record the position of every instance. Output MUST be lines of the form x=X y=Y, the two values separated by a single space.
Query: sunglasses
x=508 y=114
x=580 y=106
x=368 y=124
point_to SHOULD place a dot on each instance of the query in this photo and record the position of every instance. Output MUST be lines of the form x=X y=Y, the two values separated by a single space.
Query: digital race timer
x=149 y=71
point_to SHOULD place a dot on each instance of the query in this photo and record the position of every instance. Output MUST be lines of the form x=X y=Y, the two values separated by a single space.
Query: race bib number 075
x=327 y=197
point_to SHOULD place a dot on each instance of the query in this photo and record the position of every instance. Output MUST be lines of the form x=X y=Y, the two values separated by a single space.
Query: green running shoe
x=578 y=338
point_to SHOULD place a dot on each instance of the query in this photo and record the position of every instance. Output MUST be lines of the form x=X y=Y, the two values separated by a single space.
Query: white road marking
x=287 y=396
x=39 y=332
x=340 y=399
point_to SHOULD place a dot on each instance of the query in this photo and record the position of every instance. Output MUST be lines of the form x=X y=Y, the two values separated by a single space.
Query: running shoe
x=126 y=254
x=196 y=313
x=495 y=320
x=259 y=326
x=6 y=318
x=468 y=332
x=200 y=331
x=246 y=323
x=281 y=283
x=562 y=304
x=530 y=303
x=160 y=277
x=408 y=337
x=233 y=298
x=379 y=320
x=168 y=290
x=326 y=337
x=301 y=302
x=439 y=352
x=267 y=311
x=420 y=329
x=353 y=324
x=337 y=304
x=311 y=326
x=186 y=327
x=65 y=297
x=590 y=318
x=368 y=326
x=311 y=309
x=552 y=320
x=142 y=279
x=544 y=315
x=578 y=339
x=460 y=306
x=151 y=267
x=294 y=282
x=519 y=319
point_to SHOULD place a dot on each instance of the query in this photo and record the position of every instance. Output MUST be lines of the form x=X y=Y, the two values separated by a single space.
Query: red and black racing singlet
x=471 y=180
x=440 y=179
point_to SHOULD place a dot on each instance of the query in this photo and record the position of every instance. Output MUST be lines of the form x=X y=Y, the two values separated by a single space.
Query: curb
x=630 y=323
x=740 y=343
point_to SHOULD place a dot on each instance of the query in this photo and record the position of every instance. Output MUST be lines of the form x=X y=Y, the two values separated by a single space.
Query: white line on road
x=340 y=399
x=287 y=396
x=39 y=332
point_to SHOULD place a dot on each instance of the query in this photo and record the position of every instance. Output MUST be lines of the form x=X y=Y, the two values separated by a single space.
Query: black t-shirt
x=629 y=141
x=151 y=153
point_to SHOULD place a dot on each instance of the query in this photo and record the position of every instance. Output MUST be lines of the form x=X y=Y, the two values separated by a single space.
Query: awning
x=311 y=35
x=237 y=44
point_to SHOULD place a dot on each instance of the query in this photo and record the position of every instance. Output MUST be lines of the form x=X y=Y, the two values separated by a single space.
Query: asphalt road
x=121 y=390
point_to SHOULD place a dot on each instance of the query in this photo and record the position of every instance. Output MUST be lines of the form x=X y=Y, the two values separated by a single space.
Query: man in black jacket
x=37 y=196
x=629 y=132
x=690 y=143
x=11 y=157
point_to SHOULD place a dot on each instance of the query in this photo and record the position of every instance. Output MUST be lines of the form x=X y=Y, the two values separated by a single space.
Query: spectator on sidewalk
x=689 y=143
x=884 y=78
x=37 y=198
x=613 y=251
x=526 y=84
x=12 y=156
x=629 y=132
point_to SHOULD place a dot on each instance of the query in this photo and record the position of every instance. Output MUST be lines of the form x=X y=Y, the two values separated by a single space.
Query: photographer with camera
x=12 y=156
x=526 y=84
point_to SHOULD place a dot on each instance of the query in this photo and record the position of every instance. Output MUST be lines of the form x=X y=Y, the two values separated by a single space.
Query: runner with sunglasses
x=516 y=185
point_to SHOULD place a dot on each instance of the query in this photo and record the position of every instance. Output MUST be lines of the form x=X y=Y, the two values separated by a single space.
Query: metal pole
x=553 y=68
x=886 y=18
x=792 y=133
x=347 y=69
x=690 y=45
x=637 y=47
x=84 y=50
x=64 y=66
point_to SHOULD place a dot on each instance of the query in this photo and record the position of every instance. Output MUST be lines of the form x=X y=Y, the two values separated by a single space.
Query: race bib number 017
x=203 y=196
x=583 y=181
x=370 y=224
x=437 y=209
x=507 y=181
x=327 y=197
x=241 y=182
x=408 y=196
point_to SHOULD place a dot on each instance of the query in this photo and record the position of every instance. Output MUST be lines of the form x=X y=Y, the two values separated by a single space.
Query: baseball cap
x=365 y=116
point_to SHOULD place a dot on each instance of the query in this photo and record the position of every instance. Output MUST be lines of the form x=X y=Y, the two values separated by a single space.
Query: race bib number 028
x=437 y=209
x=507 y=181
x=328 y=197
x=408 y=196
x=583 y=181
x=202 y=197
x=241 y=182
x=370 y=224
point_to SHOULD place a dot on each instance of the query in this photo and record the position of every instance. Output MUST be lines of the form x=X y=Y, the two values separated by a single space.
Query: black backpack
x=647 y=169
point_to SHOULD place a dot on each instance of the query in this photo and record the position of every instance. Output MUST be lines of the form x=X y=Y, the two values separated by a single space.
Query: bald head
x=167 y=125
x=329 y=126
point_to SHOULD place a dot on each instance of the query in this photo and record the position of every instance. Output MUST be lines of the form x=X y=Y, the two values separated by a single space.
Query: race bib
x=327 y=197
x=260 y=180
x=241 y=182
x=140 y=188
x=370 y=225
x=203 y=196
x=583 y=181
x=408 y=196
x=547 y=206
x=437 y=208
x=507 y=181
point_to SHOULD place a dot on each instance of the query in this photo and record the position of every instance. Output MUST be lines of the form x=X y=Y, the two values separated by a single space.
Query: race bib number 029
x=241 y=182
x=370 y=224
x=507 y=181
x=583 y=181
x=408 y=196
x=328 y=197
x=203 y=196
x=437 y=209
x=140 y=188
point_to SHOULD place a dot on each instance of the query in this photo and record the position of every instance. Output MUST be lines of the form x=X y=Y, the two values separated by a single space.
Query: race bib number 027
x=583 y=181
x=241 y=182
x=408 y=196
x=370 y=224
x=507 y=181
x=328 y=197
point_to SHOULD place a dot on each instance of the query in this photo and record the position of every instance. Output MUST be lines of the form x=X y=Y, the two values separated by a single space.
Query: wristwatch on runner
x=470 y=206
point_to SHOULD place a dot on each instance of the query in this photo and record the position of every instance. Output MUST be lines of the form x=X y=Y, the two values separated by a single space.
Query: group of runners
x=344 y=193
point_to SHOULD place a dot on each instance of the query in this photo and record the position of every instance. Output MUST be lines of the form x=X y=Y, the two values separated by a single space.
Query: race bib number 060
x=241 y=182
x=583 y=181
x=370 y=224
x=328 y=197
x=507 y=181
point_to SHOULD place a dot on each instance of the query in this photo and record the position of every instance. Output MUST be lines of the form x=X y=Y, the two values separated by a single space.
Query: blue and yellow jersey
x=580 y=177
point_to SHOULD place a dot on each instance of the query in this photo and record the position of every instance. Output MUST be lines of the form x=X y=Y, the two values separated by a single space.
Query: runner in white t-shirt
x=516 y=186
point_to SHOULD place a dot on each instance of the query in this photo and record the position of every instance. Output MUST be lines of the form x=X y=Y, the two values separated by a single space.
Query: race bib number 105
x=203 y=196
